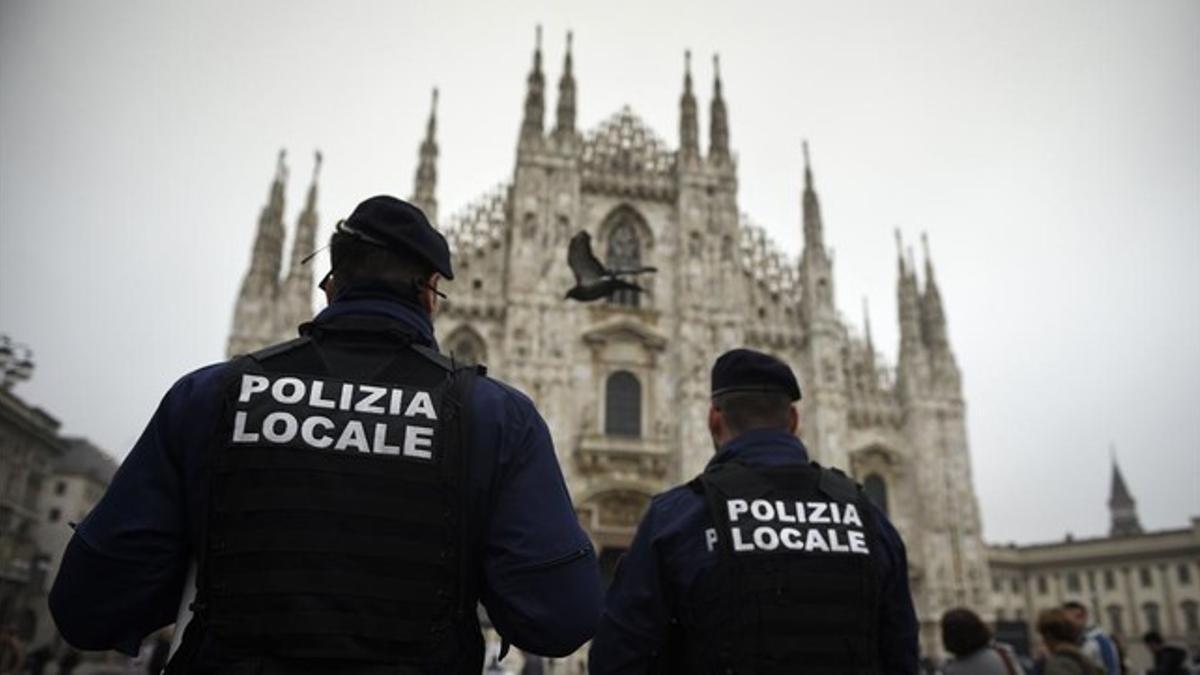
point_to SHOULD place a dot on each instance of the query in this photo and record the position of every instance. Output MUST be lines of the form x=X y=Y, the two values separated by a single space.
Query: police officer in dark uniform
x=346 y=498
x=765 y=563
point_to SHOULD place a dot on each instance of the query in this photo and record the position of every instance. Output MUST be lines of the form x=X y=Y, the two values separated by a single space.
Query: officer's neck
x=382 y=292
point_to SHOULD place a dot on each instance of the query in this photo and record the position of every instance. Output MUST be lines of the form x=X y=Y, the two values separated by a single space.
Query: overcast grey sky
x=1050 y=149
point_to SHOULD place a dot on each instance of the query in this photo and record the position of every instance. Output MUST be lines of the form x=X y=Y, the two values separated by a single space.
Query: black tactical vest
x=336 y=539
x=795 y=588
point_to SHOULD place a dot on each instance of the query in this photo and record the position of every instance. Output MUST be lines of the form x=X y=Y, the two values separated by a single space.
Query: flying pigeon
x=593 y=280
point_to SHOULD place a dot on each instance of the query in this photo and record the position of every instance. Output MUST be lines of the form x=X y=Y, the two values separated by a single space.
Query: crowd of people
x=1070 y=645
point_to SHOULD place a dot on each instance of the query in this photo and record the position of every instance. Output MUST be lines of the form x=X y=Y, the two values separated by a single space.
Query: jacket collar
x=762 y=446
x=371 y=302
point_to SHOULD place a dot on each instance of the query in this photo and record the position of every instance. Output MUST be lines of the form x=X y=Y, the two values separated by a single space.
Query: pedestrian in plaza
x=348 y=496
x=968 y=638
x=1168 y=659
x=766 y=562
x=1096 y=644
x=1060 y=641
x=12 y=652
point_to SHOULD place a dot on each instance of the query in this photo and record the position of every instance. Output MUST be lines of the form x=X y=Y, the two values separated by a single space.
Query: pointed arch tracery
x=465 y=345
x=627 y=241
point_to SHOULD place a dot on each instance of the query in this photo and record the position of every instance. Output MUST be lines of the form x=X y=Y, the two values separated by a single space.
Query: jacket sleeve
x=541 y=582
x=635 y=622
x=898 y=650
x=122 y=573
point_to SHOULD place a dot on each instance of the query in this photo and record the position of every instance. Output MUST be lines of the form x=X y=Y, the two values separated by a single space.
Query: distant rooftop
x=85 y=459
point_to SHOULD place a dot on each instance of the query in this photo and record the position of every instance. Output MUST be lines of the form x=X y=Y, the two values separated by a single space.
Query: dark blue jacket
x=669 y=552
x=123 y=572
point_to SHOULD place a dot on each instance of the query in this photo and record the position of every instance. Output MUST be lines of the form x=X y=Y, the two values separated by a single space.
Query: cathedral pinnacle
x=425 y=184
x=718 y=141
x=565 y=121
x=933 y=317
x=254 y=313
x=294 y=304
x=814 y=236
x=535 y=97
x=689 y=133
x=1121 y=504
x=908 y=301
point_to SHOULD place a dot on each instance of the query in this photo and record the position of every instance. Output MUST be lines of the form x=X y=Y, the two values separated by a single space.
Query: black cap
x=397 y=225
x=748 y=370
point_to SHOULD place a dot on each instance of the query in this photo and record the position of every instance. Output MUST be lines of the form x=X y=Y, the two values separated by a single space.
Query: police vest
x=795 y=588
x=336 y=529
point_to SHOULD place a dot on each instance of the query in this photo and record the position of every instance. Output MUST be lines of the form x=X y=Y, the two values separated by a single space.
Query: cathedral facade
x=624 y=384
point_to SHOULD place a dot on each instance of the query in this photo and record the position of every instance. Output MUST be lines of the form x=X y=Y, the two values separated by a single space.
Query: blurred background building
x=1132 y=581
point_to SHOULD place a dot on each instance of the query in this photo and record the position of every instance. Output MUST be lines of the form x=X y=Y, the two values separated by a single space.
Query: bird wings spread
x=581 y=260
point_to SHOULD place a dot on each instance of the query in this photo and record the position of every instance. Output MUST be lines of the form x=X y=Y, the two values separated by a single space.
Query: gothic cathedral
x=624 y=384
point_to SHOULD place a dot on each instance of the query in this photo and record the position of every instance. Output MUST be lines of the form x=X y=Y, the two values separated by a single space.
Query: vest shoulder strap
x=837 y=485
x=445 y=362
x=277 y=349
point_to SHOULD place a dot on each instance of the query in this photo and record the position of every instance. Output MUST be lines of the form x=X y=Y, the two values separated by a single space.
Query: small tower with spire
x=933 y=318
x=296 y=294
x=689 y=126
x=913 y=362
x=816 y=267
x=944 y=371
x=1121 y=505
x=425 y=184
x=533 y=123
x=254 y=313
x=564 y=122
x=718 y=133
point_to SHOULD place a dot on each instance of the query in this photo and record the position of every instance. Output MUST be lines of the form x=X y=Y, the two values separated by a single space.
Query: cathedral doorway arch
x=610 y=514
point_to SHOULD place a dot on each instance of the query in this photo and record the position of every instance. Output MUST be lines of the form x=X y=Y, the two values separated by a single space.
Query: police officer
x=348 y=496
x=765 y=563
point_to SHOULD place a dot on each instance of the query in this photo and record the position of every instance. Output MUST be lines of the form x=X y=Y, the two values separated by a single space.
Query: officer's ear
x=428 y=295
x=793 y=419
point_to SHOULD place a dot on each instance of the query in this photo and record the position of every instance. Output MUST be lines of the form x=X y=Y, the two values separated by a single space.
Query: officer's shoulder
x=203 y=381
x=489 y=390
x=680 y=496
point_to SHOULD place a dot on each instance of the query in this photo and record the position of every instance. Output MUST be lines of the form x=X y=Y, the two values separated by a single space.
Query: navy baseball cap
x=399 y=226
x=748 y=370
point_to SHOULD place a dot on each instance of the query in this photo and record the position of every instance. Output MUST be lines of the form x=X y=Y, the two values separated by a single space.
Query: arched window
x=1153 y=621
x=1116 y=623
x=465 y=346
x=623 y=405
x=624 y=252
x=1191 y=615
x=876 y=489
